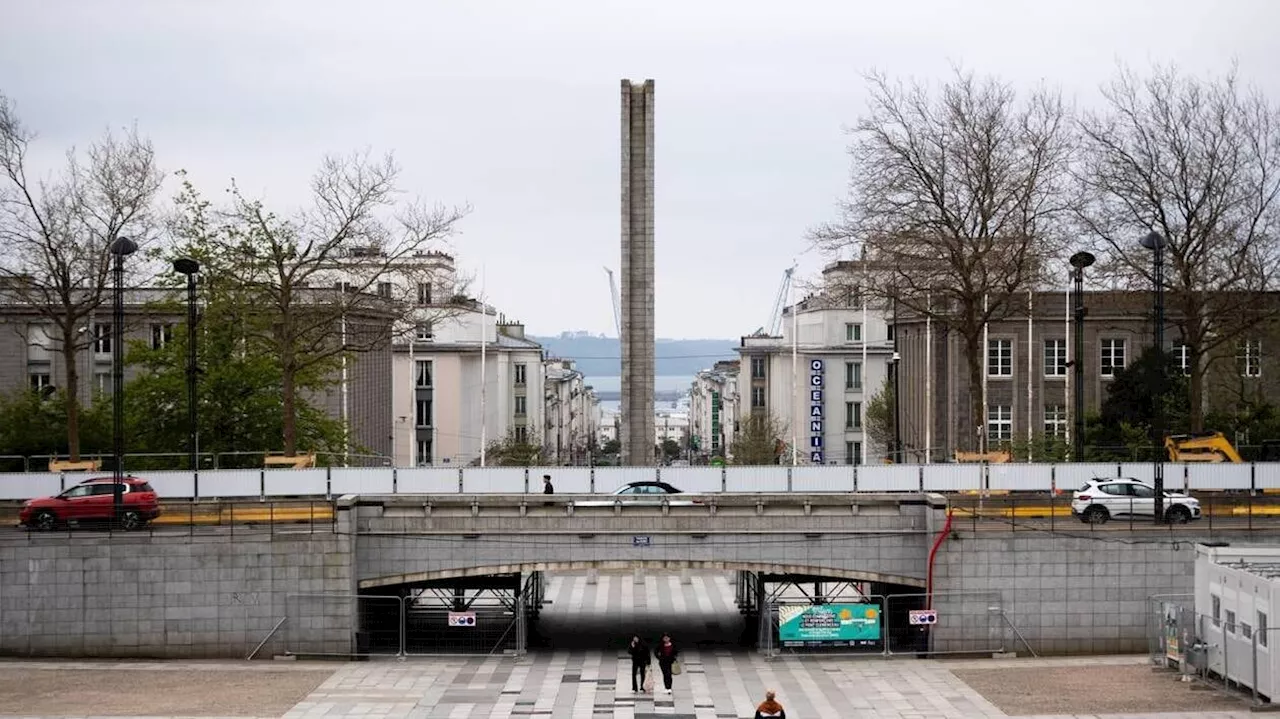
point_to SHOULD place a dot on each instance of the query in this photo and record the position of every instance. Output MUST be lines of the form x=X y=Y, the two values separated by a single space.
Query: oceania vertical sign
x=816 y=390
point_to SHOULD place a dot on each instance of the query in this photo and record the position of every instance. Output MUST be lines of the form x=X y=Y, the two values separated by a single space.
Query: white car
x=642 y=493
x=1101 y=499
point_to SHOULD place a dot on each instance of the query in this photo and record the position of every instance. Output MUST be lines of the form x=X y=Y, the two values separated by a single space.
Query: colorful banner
x=851 y=624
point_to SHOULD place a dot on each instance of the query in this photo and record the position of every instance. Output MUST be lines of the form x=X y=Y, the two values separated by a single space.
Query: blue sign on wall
x=816 y=391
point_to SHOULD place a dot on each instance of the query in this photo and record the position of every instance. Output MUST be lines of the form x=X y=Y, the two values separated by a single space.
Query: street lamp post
x=1079 y=261
x=1155 y=242
x=121 y=247
x=189 y=267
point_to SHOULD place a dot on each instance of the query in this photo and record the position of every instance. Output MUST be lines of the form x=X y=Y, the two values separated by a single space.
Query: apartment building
x=713 y=410
x=817 y=378
x=572 y=413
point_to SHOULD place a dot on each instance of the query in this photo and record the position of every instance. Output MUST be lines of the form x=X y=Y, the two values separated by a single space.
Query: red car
x=94 y=501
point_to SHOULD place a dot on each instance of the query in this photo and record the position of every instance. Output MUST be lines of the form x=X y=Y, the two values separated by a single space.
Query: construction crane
x=617 y=303
x=775 y=318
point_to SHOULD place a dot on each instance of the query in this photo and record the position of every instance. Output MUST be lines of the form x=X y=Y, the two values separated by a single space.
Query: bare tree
x=1198 y=161
x=56 y=233
x=956 y=201
x=759 y=441
x=340 y=277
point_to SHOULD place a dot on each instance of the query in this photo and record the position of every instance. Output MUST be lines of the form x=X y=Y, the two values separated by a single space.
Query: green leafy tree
x=1151 y=383
x=510 y=451
x=878 y=416
x=613 y=446
x=1040 y=448
x=670 y=449
x=759 y=441
x=34 y=424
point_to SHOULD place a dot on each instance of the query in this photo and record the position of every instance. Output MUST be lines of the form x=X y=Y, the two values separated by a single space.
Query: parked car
x=94 y=501
x=641 y=493
x=1101 y=499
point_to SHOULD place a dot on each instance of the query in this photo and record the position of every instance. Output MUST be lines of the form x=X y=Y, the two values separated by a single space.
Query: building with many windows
x=713 y=410
x=818 y=377
x=572 y=415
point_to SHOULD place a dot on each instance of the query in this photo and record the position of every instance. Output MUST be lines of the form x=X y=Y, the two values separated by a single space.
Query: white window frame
x=419 y=420
x=38 y=381
x=424 y=332
x=522 y=434
x=1055 y=358
x=521 y=373
x=1000 y=357
x=999 y=423
x=1249 y=358
x=758 y=362
x=853 y=376
x=1055 y=420
x=423 y=370
x=424 y=294
x=161 y=334
x=1111 y=349
x=1182 y=353
x=102 y=338
x=852 y=331
x=521 y=405
x=757 y=391
x=422 y=456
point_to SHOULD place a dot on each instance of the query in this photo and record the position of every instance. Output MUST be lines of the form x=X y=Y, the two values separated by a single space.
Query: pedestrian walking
x=640 y=659
x=546 y=485
x=668 y=660
x=770 y=708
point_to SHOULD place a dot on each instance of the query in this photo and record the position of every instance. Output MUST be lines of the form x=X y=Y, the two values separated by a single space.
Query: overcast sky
x=513 y=106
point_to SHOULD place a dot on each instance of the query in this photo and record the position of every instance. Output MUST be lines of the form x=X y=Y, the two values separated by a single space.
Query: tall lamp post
x=189 y=267
x=1079 y=261
x=121 y=247
x=1155 y=242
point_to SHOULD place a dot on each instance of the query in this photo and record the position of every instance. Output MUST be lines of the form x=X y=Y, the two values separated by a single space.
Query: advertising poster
x=829 y=624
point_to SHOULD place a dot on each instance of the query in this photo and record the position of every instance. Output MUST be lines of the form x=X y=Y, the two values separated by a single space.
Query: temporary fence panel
x=967 y=622
x=1214 y=475
x=889 y=478
x=823 y=479
x=1070 y=477
x=610 y=478
x=852 y=625
x=496 y=480
x=427 y=480
x=481 y=623
x=176 y=485
x=296 y=482
x=29 y=485
x=1020 y=477
x=756 y=479
x=565 y=480
x=952 y=477
x=1266 y=475
x=1175 y=475
x=233 y=483
x=361 y=480
x=697 y=480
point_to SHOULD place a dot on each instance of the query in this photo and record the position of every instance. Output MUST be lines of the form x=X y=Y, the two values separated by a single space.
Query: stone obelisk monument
x=638 y=436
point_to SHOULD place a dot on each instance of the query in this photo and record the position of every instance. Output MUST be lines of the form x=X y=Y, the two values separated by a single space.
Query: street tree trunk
x=288 y=390
x=974 y=356
x=71 y=391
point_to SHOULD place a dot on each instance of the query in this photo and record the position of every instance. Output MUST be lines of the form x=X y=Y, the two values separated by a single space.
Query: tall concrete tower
x=638 y=437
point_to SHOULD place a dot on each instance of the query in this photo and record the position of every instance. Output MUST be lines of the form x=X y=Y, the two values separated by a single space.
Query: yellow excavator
x=1200 y=447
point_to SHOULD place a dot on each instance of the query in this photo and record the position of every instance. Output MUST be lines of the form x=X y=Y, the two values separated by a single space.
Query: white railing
x=321 y=482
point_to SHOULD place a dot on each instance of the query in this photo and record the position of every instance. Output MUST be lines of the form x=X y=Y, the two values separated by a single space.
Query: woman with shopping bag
x=668 y=660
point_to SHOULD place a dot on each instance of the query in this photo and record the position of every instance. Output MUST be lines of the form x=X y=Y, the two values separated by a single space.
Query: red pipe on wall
x=933 y=552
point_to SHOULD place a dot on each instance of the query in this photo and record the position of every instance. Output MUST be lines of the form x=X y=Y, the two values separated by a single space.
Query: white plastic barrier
x=297 y=482
x=698 y=480
x=1207 y=475
x=496 y=480
x=952 y=477
x=1175 y=475
x=30 y=485
x=1266 y=476
x=565 y=480
x=610 y=478
x=178 y=485
x=838 y=478
x=756 y=479
x=234 y=483
x=360 y=480
x=427 y=480
x=1020 y=477
x=1070 y=477
x=889 y=478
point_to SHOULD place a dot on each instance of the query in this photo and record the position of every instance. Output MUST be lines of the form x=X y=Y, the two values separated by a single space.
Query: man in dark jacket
x=639 y=652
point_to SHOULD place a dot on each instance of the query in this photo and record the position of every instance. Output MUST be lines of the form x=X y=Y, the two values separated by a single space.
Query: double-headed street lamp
x=189 y=267
x=1156 y=242
x=120 y=248
x=1079 y=261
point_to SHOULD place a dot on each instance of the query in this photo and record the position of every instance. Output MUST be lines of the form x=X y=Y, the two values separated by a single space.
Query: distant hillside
x=598 y=356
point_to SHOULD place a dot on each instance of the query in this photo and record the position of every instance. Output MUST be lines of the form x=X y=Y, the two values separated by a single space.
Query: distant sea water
x=608 y=389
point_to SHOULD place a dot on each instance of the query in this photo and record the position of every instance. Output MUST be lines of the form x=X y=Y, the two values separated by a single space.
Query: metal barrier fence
x=979 y=479
x=1228 y=653
x=965 y=623
x=1219 y=512
x=187 y=518
x=488 y=622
